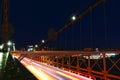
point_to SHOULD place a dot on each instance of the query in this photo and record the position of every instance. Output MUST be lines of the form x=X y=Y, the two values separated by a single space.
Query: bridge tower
x=5 y=34
x=6 y=28
x=6 y=58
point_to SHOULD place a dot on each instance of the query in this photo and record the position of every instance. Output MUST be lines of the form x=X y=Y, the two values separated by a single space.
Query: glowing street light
x=1 y=46
x=36 y=45
x=43 y=41
x=9 y=43
x=73 y=18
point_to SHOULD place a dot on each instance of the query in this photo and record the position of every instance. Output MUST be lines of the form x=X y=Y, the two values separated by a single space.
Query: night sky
x=33 y=18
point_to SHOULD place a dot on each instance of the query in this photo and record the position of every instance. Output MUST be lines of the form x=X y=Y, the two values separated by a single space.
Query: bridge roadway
x=62 y=53
x=43 y=71
x=108 y=58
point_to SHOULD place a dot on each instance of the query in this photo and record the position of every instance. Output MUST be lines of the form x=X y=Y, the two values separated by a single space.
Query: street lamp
x=9 y=43
x=43 y=41
x=73 y=18
x=36 y=46
x=1 y=46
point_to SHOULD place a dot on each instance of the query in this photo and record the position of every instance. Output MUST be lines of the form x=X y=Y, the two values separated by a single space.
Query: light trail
x=39 y=74
x=72 y=78
x=49 y=71
x=43 y=71
x=59 y=71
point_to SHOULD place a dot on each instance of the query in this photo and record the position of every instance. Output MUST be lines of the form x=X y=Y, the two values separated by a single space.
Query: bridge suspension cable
x=105 y=23
x=66 y=26
x=80 y=16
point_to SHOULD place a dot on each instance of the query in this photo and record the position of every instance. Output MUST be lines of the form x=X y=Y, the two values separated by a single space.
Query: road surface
x=42 y=71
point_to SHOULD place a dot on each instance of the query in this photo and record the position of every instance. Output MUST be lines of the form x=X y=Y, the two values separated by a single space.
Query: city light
x=30 y=48
x=13 y=46
x=1 y=56
x=73 y=18
x=36 y=45
x=43 y=41
x=1 y=46
x=9 y=43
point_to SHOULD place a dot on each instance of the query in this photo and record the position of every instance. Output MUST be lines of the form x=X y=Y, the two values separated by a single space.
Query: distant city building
x=30 y=48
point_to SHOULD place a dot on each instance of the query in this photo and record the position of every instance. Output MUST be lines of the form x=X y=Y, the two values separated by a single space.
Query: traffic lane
x=49 y=71
x=59 y=72
x=63 y=72
x=37 y=72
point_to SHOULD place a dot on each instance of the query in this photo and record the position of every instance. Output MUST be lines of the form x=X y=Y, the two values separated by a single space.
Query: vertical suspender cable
x=80 y=34
x=71 y=38
x=65 y=40
x=91 y=31
x=105 y=24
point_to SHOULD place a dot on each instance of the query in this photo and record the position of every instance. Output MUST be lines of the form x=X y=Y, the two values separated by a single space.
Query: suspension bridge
x=65 y=61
